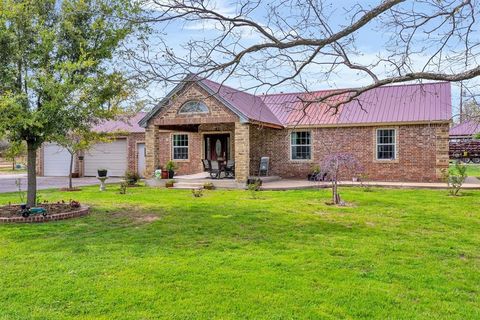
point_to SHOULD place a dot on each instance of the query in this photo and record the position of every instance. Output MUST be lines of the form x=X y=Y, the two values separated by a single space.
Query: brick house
x=399 y=133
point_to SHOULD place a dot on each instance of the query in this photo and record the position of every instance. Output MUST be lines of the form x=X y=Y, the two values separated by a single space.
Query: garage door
x=111 y=156
x=56 y=160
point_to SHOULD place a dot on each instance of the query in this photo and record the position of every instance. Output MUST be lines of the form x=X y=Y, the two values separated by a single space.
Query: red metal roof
x=427 y=102
x=125 y=124
x=249 y=105
x=467 y=128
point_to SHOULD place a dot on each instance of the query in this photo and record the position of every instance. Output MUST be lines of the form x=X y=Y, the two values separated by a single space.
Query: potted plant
x=102 y=172
x=314 y=173
x=170 y=183
x=164 y=173
x=170 y=167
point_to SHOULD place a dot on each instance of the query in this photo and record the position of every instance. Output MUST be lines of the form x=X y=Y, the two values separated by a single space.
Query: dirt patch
x=14 y=210
x=136 y=216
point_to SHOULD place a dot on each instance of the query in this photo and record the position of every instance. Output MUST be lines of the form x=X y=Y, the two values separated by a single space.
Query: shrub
x=170 y=166
x=254 y=186
x=123 y=188
x=208 y=186
x=132 y=178
x=197 y=193
x=455 y=177
x=315 y=169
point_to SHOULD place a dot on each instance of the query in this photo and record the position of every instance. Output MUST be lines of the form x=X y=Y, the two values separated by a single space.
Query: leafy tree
x=56 y=69
x=15 y=149
x=80 y=140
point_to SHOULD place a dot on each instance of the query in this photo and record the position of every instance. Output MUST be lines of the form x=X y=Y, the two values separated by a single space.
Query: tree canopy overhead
x=306 y=43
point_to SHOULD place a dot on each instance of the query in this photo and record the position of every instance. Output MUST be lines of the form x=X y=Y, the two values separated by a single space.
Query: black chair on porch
x=215 y=169
x=264 y=168
x=230 y=169
x=206 y=165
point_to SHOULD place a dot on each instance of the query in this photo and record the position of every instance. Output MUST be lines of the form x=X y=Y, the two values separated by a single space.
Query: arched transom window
x=193 y=107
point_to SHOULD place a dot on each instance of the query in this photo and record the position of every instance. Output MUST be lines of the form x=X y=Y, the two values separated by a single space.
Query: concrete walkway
x=288 y=184
x=195 y=182
x=7 y=182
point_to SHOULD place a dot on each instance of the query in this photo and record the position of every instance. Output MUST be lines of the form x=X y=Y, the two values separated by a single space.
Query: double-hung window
x=180 y=146
x=386 y=146
x=301 y=145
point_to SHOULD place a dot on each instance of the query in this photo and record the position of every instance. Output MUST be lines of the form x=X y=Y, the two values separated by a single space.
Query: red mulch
x=58 y=207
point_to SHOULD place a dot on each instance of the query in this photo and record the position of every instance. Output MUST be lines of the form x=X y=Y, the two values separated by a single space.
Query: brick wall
x=132 y=154
x=422 y=151
x=195 y=146
x=169 y=115
x=158 y=139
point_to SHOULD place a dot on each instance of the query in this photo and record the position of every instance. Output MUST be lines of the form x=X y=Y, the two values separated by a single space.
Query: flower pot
x=170 y=174
x=164 y=174
x=102 y=173
x=169 y=184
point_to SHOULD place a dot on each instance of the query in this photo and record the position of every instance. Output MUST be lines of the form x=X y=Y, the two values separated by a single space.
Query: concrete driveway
x=7 y=182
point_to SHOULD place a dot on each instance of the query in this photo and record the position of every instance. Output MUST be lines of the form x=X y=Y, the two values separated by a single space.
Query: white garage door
x=111 y=156
x=56 y=160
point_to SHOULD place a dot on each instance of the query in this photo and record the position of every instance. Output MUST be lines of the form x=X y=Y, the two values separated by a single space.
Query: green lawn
x=152 y=254
x=8 y=170
x=473 y=170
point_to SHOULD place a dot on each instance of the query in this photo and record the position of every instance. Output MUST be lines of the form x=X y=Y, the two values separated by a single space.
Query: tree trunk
x=13 y=164
x=31 y=174
x=70 y=185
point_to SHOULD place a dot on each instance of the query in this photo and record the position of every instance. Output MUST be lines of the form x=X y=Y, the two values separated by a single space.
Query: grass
x=153 y=254
x=473 y=170
x=8 y=170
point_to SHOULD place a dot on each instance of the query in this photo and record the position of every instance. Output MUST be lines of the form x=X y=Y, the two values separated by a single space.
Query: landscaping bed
x=52 y=208
x=61 y=210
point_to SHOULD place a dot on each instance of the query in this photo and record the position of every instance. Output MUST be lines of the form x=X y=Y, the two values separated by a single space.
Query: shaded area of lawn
x=164 y=254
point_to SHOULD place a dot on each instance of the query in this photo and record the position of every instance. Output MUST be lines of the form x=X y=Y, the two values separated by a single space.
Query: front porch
x=188 y=144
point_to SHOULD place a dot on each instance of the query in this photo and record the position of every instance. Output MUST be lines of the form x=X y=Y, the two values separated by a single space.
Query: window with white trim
x=301 y=145
x=193 y=107
x=180 y=146
x=386 y=148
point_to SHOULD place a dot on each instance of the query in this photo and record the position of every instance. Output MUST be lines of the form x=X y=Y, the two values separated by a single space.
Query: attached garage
x=111 y=156
x=118 y=156
x=56 y=160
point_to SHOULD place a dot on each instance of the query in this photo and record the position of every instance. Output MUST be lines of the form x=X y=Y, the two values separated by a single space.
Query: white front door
x=141 y=158
x=56 y=160
x=110 y=155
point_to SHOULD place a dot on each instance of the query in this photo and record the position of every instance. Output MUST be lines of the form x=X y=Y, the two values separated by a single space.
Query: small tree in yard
x=14 y=151
x=80 y=140
x=57 y=70
x=455 y=177
x=337 y=166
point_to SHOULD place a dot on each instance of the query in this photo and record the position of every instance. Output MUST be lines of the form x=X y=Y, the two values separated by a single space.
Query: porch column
x=242 y=151
x=441 y=150
x=151 y=149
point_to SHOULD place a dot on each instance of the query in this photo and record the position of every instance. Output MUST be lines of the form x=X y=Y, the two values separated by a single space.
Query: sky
x=370 y=42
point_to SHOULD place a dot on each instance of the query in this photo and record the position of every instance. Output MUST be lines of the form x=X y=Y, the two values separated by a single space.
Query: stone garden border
x=82 y=211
